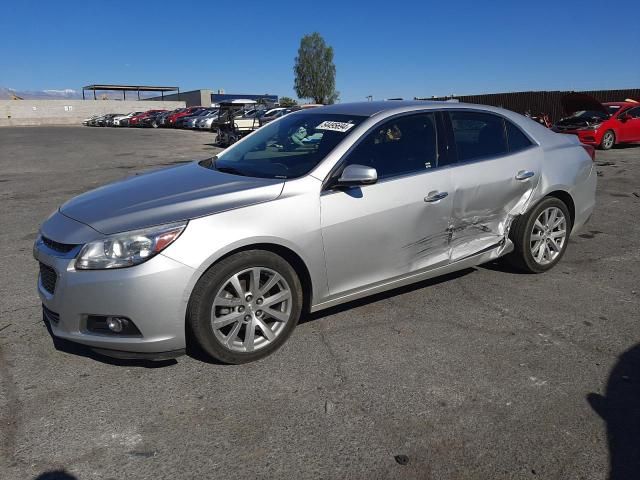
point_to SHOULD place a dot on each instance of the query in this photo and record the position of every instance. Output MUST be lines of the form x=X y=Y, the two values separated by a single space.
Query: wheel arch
x=566 y=198
x=291 y=256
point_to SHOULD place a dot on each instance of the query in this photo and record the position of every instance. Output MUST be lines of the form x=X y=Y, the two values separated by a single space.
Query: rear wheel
x=540 y=237
x=245 y=307
x=608 y=140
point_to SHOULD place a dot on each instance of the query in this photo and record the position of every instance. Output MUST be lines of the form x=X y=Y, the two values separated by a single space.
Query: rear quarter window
x=517 y=140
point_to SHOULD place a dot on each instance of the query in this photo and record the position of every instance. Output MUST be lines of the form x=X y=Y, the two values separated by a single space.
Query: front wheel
x=245 y=307
x=608 y=140
x=540 y=237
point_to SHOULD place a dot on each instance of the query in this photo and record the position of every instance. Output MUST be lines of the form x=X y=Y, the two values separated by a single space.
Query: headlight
x=128 y=248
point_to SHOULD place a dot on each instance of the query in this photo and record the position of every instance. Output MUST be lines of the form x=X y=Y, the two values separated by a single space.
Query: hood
x=168 y=195
x=575 y=102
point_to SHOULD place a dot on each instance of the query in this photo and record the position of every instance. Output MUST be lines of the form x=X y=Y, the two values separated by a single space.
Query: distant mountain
x=8 y=93
x=67 y=93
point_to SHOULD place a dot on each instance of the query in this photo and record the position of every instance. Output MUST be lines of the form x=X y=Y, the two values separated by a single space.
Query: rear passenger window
x=517 y=140
x=478 y=135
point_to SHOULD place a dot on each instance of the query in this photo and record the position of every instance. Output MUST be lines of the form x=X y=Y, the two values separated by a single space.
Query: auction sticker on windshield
x=335 y=126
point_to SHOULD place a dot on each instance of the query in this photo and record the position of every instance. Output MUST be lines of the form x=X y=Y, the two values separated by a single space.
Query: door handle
x=524 y=174
x=435 y=196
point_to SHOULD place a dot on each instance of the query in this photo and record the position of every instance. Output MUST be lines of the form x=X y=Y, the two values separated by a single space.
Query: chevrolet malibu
x=316 y=209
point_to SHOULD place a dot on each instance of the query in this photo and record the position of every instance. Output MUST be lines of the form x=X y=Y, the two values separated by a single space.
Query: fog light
x=116 y=324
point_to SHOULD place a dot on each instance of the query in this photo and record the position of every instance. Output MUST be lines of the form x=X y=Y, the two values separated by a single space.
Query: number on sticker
x=335 y=126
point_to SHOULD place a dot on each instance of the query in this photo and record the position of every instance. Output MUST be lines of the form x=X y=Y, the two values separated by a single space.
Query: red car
x=602 y=125
x=171 y=119
x=135 y=121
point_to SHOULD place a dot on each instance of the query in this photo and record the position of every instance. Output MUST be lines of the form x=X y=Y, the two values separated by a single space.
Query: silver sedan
x=318 y=208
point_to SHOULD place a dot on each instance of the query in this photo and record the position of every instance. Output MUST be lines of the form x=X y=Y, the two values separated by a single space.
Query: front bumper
x=152 y=295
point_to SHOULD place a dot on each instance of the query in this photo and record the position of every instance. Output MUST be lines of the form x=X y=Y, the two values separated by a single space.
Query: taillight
x=591 y=150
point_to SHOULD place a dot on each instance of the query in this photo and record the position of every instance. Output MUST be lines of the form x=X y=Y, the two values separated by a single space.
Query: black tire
x=201 y=303
x=520 y=234
x=608 y=140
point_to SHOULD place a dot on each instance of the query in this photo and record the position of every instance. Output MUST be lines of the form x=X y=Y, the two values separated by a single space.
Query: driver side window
x=400 y=146
x=634 y=112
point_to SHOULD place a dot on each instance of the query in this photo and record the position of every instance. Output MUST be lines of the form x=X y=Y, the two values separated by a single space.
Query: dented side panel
x=487 y=198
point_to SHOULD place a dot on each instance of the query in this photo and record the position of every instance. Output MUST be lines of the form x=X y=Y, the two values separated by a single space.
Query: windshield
x=613 y=109
x=288 y=148
x=588 y=114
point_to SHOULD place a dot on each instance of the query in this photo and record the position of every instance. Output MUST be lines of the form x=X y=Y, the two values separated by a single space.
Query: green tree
x=315 y=71
x=287 y=102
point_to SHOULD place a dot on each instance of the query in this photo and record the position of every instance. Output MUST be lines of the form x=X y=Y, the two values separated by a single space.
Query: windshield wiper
x=231 y=170
x=214 y=166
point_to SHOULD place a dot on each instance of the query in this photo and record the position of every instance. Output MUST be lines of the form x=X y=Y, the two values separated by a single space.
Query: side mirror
x=357 y=175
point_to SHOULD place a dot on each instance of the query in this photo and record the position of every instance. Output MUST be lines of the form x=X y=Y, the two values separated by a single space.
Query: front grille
x=50 y=315
x=48 y=278
x=57 y=246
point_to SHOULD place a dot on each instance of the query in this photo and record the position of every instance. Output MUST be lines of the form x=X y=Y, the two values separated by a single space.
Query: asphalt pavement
x=484 y=374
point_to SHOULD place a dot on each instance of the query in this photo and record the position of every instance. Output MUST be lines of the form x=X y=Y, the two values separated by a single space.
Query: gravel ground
x=485 y=374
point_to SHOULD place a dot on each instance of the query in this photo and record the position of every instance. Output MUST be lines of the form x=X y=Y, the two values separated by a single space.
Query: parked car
x=87 y=121
x=204 y=123
x=273 y=114
x=136 y=120
x=281 y=112
x=152 y=119
x=108 y=119
x=123 y=120
x=236 y=246
x=600 y=124
x=162 y=118
x=179 y=122
x=189 y=121
x=174 y=117
x=95 y=121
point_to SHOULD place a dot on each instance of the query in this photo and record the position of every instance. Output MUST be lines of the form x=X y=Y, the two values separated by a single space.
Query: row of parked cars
x=195 y=118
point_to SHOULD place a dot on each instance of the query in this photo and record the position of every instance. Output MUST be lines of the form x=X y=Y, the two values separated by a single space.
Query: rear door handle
x=524 y=174
x=435 y=196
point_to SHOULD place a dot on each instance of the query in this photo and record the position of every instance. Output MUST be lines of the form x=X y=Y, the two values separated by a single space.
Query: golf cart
x=235 y=119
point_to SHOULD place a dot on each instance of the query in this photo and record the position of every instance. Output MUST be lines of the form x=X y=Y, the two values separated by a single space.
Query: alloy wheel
x=251 y=309
x=607 y=140
x=548 y=235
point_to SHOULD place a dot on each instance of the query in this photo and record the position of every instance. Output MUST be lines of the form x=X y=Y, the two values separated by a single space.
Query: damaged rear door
x=496 y=172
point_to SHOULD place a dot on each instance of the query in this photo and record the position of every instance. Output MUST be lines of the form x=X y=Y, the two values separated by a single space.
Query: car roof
x=621 y=104
x=369 y=109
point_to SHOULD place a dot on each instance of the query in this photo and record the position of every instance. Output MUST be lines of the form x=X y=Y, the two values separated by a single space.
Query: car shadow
x=620 y=409
x=73 y=348
x=197 y=353
x=622 y=146
x=503 y=267
x=309 y=317
x=55 y=475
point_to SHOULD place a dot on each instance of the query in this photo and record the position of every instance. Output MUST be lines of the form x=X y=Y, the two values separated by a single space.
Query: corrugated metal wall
x=540 y=102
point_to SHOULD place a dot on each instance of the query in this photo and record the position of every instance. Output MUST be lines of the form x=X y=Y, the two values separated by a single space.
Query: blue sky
x=385 y=49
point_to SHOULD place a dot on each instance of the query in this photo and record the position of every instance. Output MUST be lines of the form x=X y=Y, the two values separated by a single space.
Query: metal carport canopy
x=130 y=88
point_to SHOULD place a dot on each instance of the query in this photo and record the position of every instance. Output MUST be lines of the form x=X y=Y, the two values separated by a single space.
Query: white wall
x=71 y=112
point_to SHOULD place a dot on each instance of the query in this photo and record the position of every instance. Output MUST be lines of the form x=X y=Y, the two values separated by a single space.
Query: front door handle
x=524 y=174
x=435 y=196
